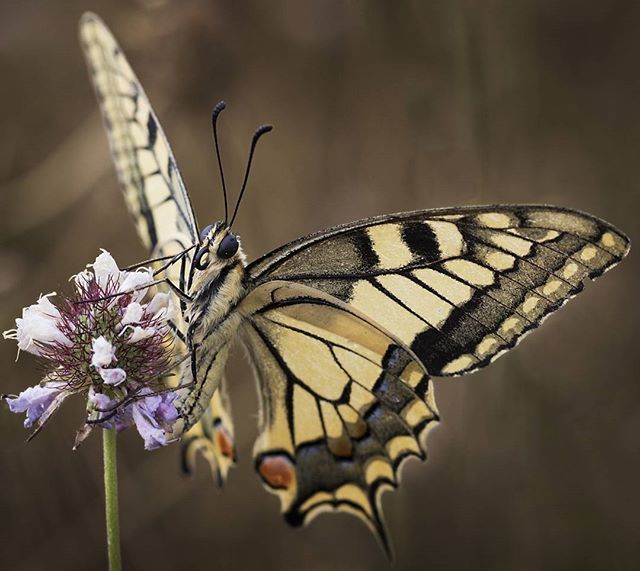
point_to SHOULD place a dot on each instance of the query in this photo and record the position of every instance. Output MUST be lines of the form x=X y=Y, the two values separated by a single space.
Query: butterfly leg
x=182 y=295
x=176 y=330
x=174 y=288
x=173 y=258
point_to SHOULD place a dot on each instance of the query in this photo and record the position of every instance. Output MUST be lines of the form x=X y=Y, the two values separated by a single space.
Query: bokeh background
x=378 y=107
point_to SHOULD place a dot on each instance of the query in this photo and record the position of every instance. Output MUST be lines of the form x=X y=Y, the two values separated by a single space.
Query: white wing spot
x=459 y=364
x=450 y=240
x=510 y=324
x=451 y=289
x=486 y=346
x=517 y=246
x=424 y=303
x=501 y=261
x=495 y=220
x=551 y=287
x=608 y=240
x=570 y=270
x=530 y=304
x=389 y=314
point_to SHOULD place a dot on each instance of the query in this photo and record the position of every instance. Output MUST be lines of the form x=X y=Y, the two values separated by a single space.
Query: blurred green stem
x=111 y=498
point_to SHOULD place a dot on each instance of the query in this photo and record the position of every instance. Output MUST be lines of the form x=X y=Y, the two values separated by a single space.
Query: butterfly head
x=218 y=248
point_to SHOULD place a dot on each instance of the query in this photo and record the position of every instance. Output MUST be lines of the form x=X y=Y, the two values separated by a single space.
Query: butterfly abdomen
x=213 y=323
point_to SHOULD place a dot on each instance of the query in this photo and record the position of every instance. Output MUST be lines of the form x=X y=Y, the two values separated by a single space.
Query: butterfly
x=344 y=328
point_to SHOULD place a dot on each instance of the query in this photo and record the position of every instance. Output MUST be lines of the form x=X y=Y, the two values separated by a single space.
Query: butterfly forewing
x=458 y=286
x=157 y=200
x=152 y=185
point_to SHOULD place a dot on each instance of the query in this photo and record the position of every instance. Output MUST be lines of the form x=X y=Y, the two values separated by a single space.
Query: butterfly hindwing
x=459 y=286
x=343 y=403
x=212 y=437
x=157 y=201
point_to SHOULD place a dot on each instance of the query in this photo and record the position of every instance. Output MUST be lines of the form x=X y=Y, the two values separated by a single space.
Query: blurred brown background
x=378 y=107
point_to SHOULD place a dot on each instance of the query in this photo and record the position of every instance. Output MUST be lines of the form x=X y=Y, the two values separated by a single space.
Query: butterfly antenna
x=254 y=141
x=214 y=122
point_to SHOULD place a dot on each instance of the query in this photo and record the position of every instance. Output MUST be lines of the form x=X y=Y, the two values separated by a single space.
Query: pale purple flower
x=106 y=343
x=106 y=410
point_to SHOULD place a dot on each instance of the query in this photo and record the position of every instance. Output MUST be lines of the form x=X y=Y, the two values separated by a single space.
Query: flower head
x=107 y=343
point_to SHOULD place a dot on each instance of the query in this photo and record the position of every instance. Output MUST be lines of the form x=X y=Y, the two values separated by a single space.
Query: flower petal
x=140 y=333
x=133 y=280
x=114 y=376
x=167 y=412
x=104 y=353
x=82 y=280
x=152 y=415
x=133 y=313
x=38 y=325
x=35 y=401
x=149 y=429
x=81 y=435
x=161 y=307
x=106 y=270
x=100 y=405
x=98 y=400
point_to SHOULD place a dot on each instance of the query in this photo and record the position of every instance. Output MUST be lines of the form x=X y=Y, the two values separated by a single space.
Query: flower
x=106 y=343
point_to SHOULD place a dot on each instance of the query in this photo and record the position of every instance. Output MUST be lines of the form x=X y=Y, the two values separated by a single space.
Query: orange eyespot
x=277 y=471
x=224 y=442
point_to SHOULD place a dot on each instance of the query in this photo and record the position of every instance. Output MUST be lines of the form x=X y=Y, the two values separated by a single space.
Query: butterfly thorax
x=217 y=287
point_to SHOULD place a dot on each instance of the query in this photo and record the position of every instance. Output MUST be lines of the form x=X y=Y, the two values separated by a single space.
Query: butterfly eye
x=228 y=246
x=201 y=260
x=205 y=231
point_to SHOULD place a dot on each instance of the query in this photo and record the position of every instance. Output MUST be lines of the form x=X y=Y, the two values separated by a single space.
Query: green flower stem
x=111 y=498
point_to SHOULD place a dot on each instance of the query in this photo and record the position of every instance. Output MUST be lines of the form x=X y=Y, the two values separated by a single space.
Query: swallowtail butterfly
x=344 y=327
